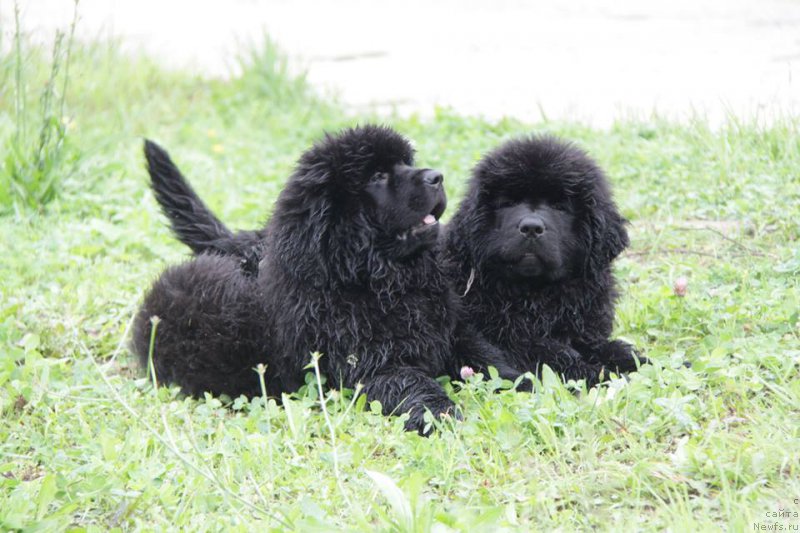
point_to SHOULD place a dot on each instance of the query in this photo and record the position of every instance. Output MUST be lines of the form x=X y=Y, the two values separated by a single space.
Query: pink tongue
x=428 y=220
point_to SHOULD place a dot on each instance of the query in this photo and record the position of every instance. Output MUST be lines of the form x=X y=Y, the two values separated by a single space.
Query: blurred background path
x=585 y=60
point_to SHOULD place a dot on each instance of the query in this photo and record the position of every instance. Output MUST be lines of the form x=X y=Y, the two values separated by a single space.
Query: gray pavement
x=592 y=61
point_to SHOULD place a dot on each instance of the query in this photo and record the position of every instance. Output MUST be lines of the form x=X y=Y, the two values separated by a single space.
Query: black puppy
x=530 y=248
x=348 y=268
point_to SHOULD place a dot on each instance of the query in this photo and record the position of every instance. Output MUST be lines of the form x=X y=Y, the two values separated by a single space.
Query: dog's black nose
x=532 y=226
x=433 y=178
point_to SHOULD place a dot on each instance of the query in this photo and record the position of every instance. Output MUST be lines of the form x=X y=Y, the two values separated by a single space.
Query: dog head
x=539 y=209
x=355 y=202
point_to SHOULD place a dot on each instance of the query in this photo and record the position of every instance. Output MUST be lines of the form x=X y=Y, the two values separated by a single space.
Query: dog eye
x=561 y=205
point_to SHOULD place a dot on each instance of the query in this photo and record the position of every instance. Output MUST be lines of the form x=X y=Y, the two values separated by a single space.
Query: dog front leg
x=409 y=390
x=617 y=356
x=564 y=361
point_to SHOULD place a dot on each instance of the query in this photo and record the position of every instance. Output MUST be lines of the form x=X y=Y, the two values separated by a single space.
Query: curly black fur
x=349 y=269
x=211 y=331
x=531 y=247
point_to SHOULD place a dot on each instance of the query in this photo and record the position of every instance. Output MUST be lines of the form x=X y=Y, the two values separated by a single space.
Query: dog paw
x=525 y=385
x=417 y=419
x=621 y=357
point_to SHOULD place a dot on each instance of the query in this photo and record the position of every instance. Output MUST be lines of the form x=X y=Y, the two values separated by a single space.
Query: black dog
x=531 y=248
x=348 y=268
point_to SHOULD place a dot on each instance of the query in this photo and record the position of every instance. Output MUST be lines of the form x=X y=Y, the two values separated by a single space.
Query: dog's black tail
x=190 y=218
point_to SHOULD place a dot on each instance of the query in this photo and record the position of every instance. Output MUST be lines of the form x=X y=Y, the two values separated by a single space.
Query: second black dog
x=531 y=247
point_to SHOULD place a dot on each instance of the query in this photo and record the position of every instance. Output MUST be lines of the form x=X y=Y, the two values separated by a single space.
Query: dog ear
x=463 y=235
x=609 y=237
x=616 y=236
x=312 y=239
x=298 y=230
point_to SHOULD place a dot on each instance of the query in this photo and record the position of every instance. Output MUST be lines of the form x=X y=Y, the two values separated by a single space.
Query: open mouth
x=429 y=220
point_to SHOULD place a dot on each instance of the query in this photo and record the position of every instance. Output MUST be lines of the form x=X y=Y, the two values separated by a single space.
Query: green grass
x=31 y=167
x=86 y=443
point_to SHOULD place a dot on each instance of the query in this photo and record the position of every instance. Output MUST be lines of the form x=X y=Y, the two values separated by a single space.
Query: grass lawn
x=87 y=444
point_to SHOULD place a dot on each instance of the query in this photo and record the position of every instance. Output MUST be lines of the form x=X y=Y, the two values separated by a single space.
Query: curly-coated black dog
x=347 y=267
x=531 y=247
